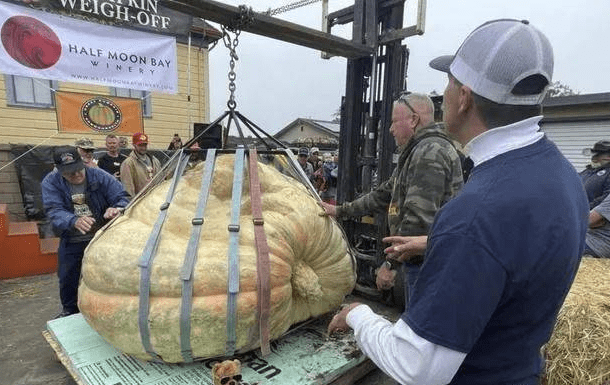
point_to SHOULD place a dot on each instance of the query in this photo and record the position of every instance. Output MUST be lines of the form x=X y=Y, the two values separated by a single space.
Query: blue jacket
x=102 y=191
x=597 y=183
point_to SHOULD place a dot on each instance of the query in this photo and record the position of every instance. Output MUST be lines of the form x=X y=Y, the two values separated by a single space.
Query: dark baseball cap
x=601 y=147
x=67 y=159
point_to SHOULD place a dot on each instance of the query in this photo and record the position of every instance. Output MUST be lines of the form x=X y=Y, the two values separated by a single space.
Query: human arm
x=374 y=202
x=385 y=277
x=430 y=177
x=402 y=248
x=115 y=196
x=57 y=207
x=156 y=164
x=329 y=209
x=596 y=219
x=396 y=349
x=127 y=177
x=605 y=187
x=599 y=215
x=84 y=224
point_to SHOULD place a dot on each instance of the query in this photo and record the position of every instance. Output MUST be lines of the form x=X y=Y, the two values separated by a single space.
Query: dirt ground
x=25 y=356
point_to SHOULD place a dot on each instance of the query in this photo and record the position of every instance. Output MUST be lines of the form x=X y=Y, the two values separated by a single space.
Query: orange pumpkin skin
x=311 y=269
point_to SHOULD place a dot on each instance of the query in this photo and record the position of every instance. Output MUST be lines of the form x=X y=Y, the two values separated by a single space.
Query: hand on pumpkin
x=111 y=212
x=329 y=209
x=83 y=224
x=404 y=248
x=385 y=278
x=339 y=321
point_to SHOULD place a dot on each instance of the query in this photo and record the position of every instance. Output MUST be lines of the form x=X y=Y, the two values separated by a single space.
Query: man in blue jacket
x=78 y=201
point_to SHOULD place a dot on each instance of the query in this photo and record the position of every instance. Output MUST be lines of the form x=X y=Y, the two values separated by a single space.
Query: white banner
x=48 y=46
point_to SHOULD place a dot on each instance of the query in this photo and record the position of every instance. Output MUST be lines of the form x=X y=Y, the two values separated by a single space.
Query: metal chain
x=288 y=7
x=245 y=18
x=231 y=45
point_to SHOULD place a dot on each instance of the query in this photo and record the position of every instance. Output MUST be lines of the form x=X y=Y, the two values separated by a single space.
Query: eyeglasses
x=403 y=98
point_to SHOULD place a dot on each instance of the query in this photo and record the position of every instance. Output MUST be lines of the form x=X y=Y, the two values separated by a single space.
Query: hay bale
x=578 y=352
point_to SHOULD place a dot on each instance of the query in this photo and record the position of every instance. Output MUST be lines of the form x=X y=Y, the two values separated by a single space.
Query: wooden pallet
x=305 y=356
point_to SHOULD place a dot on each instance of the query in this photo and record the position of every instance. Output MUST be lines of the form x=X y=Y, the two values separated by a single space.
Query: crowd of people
x=322 y=172
x=486 y=262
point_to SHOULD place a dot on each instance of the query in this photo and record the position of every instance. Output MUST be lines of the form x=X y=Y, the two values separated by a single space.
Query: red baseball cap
x=139 y=138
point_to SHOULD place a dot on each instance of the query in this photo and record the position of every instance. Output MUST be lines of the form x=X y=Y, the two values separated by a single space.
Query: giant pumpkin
x=310 y=268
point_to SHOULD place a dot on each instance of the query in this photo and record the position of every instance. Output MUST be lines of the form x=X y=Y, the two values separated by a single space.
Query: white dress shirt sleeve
x=399 y=352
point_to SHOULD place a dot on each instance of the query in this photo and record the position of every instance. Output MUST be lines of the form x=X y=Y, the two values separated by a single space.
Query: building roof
x=603 y=97
x=329 y=128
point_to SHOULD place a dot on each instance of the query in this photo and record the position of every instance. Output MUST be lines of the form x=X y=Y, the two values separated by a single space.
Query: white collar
x=499 y=140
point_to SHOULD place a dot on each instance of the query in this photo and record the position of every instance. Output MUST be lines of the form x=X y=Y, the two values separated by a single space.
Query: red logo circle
x=30 y=42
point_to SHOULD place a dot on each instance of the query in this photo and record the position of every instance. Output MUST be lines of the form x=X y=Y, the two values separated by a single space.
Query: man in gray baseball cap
x=502 y=254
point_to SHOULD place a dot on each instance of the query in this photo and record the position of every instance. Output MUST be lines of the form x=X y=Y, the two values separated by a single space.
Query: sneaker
x=64 y=313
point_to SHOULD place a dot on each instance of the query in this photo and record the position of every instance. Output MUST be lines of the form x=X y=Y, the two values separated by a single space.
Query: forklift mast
x=366 y=146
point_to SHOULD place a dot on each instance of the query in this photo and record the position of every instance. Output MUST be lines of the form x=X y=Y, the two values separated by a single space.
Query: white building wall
x=572 y=137
x=301 y=132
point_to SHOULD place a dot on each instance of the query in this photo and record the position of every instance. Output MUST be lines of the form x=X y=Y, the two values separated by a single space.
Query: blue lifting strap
x=147 y=257
x=190 y=257
x=233 y=271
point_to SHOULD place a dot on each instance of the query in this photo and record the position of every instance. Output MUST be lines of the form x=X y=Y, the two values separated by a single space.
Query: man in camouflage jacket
x=427 y=175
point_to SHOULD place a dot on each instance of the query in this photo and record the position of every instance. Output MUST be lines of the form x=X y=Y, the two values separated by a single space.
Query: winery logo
x=101 y=114
x=30 y=42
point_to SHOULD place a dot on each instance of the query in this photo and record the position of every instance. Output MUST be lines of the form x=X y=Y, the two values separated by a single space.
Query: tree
x=559 y=89
x=336 y=116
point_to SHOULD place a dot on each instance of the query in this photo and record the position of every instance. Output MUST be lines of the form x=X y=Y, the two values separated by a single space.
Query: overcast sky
x=278 y=82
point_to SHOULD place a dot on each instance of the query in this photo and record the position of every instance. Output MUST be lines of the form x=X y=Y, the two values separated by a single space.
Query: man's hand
x=404 y=248
x=339 y=321
x=385 y=278
x=596 y=219
x=83 y=224
x=111 y=212
x=329 y=209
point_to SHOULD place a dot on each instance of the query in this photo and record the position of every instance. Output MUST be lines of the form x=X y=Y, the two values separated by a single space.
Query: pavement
x=26 y=358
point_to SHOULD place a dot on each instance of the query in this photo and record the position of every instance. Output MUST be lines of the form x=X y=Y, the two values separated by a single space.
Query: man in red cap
x=139 y=167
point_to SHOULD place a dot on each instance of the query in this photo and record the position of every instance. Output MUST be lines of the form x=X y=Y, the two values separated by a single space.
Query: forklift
x=376 y=74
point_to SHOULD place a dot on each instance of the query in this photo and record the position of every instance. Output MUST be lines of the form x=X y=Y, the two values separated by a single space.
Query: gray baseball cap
x=498 y=55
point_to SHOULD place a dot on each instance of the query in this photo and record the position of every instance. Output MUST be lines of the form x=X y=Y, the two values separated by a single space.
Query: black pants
x=70 y=260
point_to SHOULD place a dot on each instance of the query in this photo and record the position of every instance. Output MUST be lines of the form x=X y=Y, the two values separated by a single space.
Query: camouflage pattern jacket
x=426 y=176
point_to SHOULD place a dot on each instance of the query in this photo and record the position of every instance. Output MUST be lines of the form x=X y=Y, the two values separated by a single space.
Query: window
x=29 y=92
x=143 y=95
